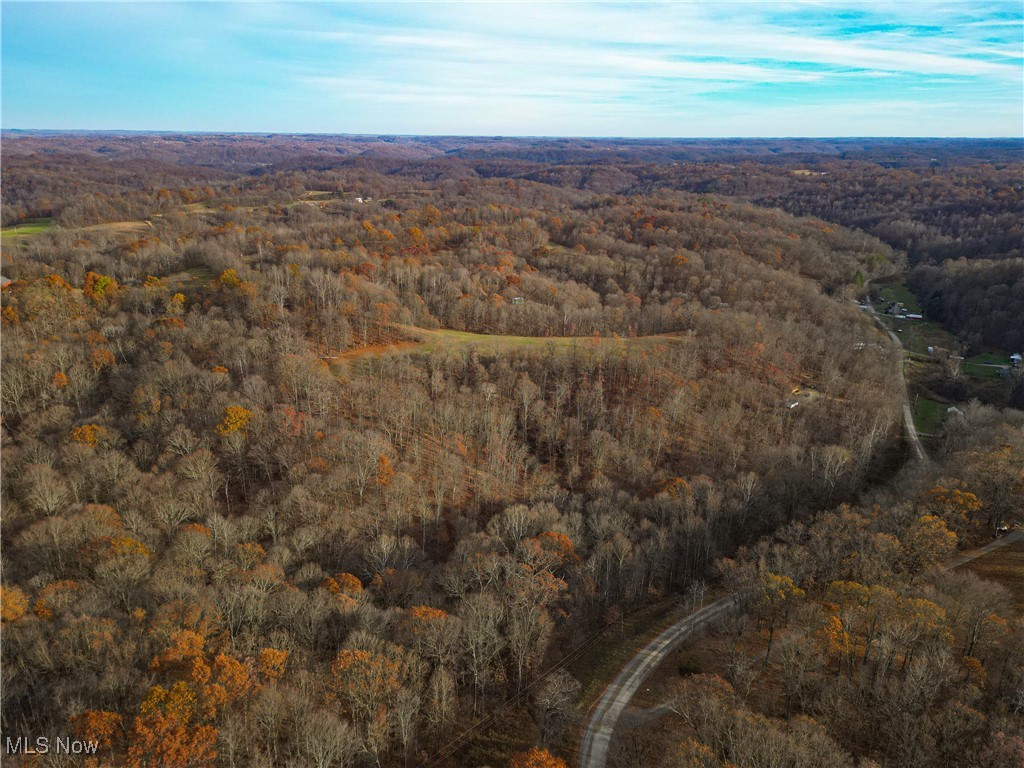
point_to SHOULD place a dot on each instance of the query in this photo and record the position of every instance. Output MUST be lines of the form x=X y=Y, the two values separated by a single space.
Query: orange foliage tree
x=385 y=472
x=13 y=603
x=99 y=726
x=90 y=434
x=536 y=758
x=166 y=732
x=271 y=662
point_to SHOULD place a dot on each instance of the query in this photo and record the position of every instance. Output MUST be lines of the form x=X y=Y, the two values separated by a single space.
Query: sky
x=681 y=69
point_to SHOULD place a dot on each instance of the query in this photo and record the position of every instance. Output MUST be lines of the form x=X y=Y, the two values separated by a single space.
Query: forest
x=319 y=450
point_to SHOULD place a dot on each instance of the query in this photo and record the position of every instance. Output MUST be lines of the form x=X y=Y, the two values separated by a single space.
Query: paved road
x=609 y=711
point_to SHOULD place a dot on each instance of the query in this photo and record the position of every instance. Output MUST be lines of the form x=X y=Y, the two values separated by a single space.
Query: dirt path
x=908 y=414
x=611 y=710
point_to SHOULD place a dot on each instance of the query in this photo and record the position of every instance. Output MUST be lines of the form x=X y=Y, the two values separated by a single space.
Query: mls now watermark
x=43 y=745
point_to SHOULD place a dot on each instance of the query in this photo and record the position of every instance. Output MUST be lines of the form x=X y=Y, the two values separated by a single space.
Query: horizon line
x=493 y=136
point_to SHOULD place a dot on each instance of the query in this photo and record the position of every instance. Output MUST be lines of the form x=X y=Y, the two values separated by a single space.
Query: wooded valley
x=318 y=451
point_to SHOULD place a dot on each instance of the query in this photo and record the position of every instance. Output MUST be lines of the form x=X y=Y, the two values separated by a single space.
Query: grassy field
x=132 y=228
x=421 y=341
x=26 y=228
x=900 y=292
x=917 y=335
x=928 y=415
x=1004 y=566
x=488 y=344
x=980 y=371
x=983 y=366
x=989 y=358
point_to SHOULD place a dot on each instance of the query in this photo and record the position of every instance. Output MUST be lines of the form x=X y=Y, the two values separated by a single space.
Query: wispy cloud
x=601 y=68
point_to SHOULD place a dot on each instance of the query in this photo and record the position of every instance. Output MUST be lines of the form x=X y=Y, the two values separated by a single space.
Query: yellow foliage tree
x=13 y=603
x=236 y=419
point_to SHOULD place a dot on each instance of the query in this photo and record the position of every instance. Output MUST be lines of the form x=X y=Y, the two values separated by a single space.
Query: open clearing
x=431 y=340
x=928 y=415
x=989 y=358
x=121 y=227
x=427 y=341
x=26 y=228
x=1004 y=566
x=193 y=276
x=899 y=292
x=918 y=335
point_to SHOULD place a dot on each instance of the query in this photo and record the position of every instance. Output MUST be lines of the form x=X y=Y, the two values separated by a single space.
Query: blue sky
x=900 y=68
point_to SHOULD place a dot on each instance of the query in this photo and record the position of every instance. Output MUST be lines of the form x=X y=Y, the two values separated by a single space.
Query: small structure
x=1017 y=359
x=914 y=316
x=518 y=299
x=954 y=411
x=4 y=282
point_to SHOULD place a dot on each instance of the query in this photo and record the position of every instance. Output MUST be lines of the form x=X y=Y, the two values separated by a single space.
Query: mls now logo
x=42 y=745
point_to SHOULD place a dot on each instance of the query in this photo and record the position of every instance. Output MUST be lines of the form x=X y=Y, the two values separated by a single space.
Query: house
x=1017 y=360
x=4 y=282
x=517 y=299
x=954 y=411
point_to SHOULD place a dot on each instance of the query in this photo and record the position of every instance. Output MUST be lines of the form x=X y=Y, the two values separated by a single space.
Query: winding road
x=598 y=735
x=608 y=712
x=617 y=696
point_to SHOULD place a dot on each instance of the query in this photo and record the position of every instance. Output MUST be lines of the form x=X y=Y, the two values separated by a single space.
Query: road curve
x=598 y=735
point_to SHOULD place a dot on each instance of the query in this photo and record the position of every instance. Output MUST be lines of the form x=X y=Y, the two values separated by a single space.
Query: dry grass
x=427 y=341
x=121 y=228
x=1004 y=566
